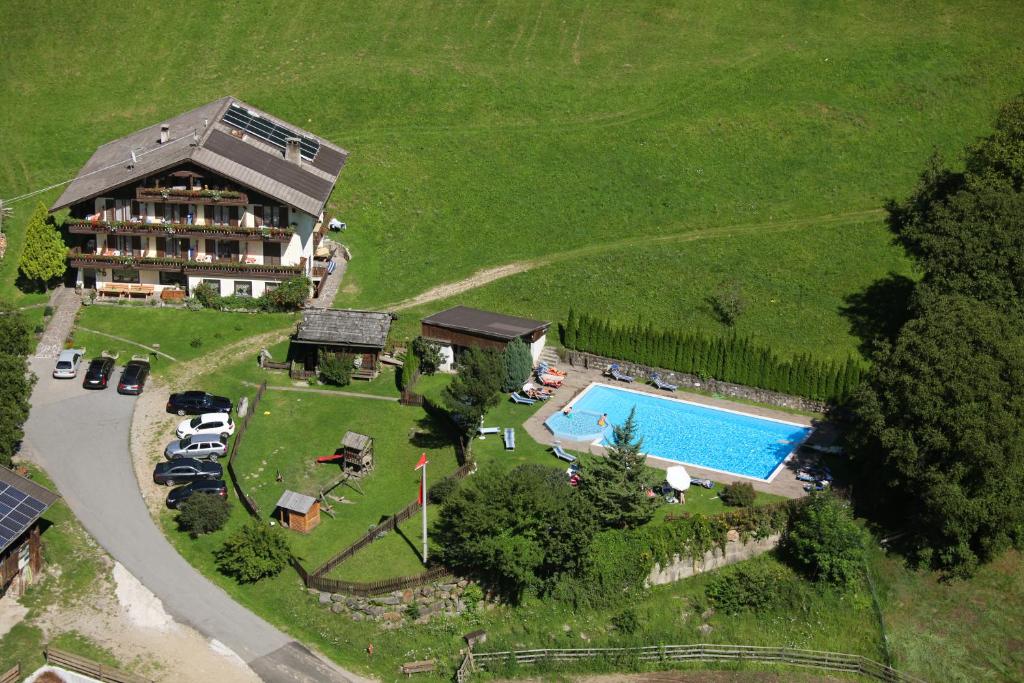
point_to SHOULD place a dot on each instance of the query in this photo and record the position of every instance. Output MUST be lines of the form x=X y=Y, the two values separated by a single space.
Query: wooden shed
x=298 y=512
x=22 y=504
x=461 y=327
x=360 y=333
x=358 y=451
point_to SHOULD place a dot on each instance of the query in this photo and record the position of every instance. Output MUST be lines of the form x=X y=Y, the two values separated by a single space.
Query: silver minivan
x=199 y=446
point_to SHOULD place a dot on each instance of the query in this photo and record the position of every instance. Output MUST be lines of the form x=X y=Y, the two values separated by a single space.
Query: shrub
x=253 y=552
x=196 y=342
x=739 y=494
x=727 y=303
x=290 y=295
x=428 y=353
x=39 y=328
x=207 y=295
x=203 y=514
x=410 y=367
x=753 y=585
x=825 y=542
x=472 y=596
x=412 y=612
x=518 y=365
x=626 y=621
x=334 y=368
x=47 y=311
x=440 y=491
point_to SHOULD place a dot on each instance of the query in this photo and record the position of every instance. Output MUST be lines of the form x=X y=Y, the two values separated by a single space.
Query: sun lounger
x=550 y=381
x=510 y=439
x=483 y=431
x=561 y=454
x=658 y=382
x=803 y=475
x=545 y=369
x=519 y=398
x=613 y=372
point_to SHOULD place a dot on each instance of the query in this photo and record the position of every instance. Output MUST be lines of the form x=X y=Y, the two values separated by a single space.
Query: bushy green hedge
x=290 y=295
x=729 y=359
x=751 y=586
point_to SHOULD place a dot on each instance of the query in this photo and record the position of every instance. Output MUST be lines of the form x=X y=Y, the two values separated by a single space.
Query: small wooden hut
x=358 y=451
x=298 y=512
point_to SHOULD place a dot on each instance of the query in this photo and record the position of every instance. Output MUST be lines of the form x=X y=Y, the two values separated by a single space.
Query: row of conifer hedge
x=732 y=358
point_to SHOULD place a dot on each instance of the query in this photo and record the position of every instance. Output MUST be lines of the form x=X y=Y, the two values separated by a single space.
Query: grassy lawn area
x=174 y=329
x=794 y=286
x=594 y=124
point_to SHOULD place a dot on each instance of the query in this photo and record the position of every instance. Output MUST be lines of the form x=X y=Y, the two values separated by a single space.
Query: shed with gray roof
x=361 y=333
x=298 y=512
x=461 y=327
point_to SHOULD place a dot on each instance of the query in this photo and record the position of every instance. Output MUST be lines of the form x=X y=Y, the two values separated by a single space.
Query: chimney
x=164 y=132
x=291 y=150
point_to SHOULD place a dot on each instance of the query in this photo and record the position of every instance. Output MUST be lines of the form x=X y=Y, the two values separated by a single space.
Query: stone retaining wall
x=436 y=598
x=735 y=551
x=726 y=389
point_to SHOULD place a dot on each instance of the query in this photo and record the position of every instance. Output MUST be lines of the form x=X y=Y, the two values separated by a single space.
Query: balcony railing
x=78 y=259
x=170 y=195
x=266 y=233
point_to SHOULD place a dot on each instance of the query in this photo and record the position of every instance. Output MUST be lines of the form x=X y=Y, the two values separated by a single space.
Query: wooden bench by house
x=172 y=294
x=422 y=667
x=112 y=289
x=140 y=290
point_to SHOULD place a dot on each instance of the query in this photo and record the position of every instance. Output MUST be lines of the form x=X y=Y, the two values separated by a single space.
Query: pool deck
x=784 y=483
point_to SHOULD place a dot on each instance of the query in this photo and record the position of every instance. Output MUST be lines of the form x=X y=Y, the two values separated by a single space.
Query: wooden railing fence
x=831 y=661
x=12 y=675
x=247 y=501
x=381 y=587
x=465 y=669
x=88 y=667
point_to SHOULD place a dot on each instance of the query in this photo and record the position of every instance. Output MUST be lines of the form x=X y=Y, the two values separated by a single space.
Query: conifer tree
x=617 y=484
x=43 y=256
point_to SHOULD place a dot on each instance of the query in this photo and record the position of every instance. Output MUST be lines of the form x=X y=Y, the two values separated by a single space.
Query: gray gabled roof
x=203 y=138
x=22 y=502
x=486 y=323
x=355 y=441
x=344 y=328
x=296 y=502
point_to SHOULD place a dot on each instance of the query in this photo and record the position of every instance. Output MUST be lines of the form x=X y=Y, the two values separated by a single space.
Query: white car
x=207 y=423
x=67 y=363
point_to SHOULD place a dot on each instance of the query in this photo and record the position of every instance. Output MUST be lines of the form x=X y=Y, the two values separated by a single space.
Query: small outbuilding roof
x=486 y=323
x=354 y=441
x=295 y=502
x=344 y=328
x=22 y=502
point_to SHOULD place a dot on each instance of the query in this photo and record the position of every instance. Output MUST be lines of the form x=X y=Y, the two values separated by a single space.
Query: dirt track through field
x=488 y=275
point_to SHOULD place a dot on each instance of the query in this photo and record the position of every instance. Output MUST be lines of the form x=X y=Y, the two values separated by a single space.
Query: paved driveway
x=81 y=439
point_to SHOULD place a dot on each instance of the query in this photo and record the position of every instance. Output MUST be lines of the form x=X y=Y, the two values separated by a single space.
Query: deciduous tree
x=253 y=552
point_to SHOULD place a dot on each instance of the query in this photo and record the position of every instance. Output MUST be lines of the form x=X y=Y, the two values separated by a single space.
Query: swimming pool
x=688 y=433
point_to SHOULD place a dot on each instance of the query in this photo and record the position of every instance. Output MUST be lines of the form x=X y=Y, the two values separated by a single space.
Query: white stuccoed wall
x=735 y=551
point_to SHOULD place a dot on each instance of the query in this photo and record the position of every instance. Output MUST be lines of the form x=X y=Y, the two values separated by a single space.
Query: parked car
x=179 y=495
x=67 y=363
x=185 y=470
x=133 y=377
x=197 y=403
x=98 y=374
x=207 y=423
x=199 y=446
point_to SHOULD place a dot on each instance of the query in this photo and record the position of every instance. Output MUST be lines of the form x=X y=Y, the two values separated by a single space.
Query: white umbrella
x=677 y=478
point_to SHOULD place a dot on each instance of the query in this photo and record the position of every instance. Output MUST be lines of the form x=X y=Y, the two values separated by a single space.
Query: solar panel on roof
x=17 y=510
x=259 y=127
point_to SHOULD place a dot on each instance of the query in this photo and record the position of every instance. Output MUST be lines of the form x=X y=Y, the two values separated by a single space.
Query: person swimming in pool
x=603 y=420
x=567 y=411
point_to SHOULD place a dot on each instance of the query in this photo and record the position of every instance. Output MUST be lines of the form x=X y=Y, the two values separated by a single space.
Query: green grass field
x=487 y=134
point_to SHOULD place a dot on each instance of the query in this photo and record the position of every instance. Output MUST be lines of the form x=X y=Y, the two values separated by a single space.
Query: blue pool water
x=684 y=432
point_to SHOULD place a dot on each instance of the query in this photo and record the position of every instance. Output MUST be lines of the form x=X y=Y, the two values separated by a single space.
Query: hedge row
x=729 y=359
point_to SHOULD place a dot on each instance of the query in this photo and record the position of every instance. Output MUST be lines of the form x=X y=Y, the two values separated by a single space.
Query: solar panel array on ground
x=17 y=512
x=265 y=129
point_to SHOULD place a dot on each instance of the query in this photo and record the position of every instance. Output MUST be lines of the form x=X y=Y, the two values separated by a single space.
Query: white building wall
x=537 y=347
x=447 y=357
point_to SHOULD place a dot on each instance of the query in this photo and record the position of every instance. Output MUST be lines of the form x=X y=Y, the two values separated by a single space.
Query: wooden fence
x=12 y=675
x=831 y=661
x=381 y=587
x=88 y=667
x=247 y=501
x=465 y=669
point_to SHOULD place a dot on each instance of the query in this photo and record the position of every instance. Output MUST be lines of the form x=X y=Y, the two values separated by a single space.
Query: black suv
x=197 y=403
x=179 y=495
x=133 y=377
x=98 y=374
x=186 y=470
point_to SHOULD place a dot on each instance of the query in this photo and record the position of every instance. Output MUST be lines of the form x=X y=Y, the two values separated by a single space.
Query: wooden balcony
x=236 y=267
x=266 y=234
x=169 y=195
